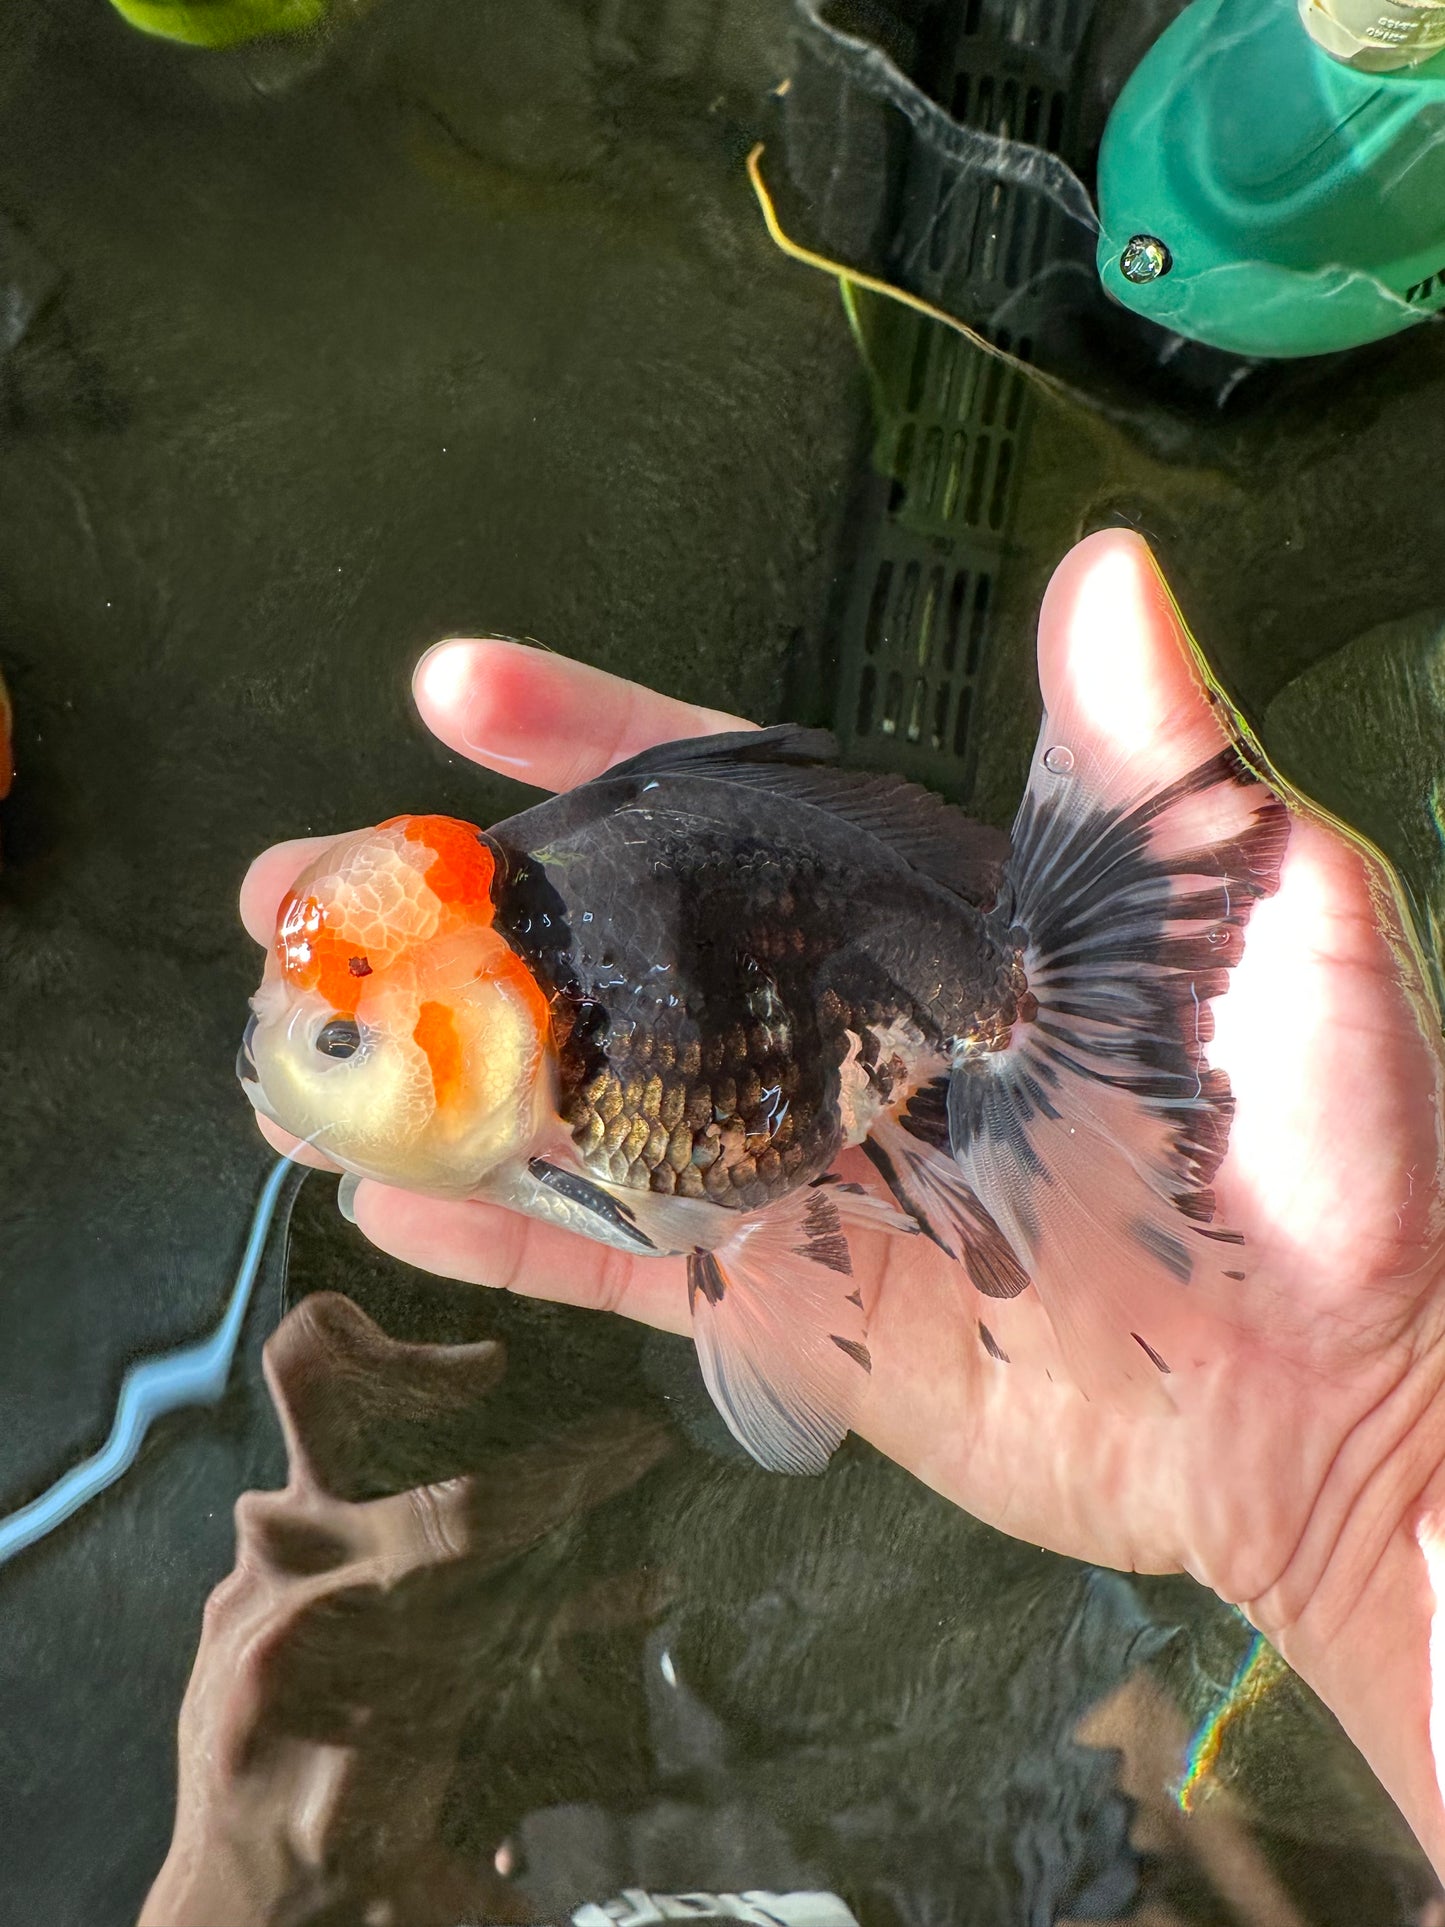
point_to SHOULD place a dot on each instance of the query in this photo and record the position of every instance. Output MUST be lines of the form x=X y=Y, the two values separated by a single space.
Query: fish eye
x=340 y=1037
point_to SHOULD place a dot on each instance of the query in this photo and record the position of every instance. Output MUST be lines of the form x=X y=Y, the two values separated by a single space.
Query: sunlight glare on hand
x=1112 y=653
x=1431 y=1540
x=1268 y=1035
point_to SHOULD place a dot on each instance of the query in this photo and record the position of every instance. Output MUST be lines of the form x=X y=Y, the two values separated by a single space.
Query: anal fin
x=780 y=1327
x=928 y=1184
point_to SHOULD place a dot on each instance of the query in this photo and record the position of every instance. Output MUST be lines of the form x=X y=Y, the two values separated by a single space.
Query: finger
x=1116 y=659
x=535 y=716
x=270 y=877
x=543 y=718
x=482 y=1244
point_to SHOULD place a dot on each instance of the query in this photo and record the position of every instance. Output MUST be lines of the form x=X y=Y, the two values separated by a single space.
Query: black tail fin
x=1093 y=1139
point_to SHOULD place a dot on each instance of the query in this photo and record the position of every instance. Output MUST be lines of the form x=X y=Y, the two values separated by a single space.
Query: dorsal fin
x=935 y=837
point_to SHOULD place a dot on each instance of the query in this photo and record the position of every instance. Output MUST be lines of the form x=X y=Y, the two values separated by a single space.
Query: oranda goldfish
x=655 y=1010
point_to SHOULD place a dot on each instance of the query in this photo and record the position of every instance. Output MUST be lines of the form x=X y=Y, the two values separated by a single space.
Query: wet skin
x=1301 y=1472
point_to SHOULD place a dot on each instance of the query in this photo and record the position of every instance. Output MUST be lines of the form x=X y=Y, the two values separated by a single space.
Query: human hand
x=1297 y=1465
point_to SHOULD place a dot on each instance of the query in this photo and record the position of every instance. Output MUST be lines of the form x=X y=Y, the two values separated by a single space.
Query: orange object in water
x=7 y=760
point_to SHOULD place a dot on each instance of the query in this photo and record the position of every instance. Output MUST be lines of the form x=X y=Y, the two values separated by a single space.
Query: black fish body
x=737 y=972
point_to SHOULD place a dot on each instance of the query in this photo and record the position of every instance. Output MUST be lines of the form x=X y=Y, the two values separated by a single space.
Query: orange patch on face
x=462 y=870
x=314 y=957
x=436 y=1034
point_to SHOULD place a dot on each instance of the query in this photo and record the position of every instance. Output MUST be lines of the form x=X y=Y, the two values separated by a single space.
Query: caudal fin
x=1092 y=1140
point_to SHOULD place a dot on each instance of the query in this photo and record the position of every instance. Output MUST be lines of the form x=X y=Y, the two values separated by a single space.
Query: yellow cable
x=857 y=278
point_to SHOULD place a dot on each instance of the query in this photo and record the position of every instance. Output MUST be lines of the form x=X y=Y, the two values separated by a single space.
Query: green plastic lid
x=1261 y=196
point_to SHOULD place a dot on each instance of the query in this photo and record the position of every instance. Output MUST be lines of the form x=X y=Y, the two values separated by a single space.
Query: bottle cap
x=1376 y=36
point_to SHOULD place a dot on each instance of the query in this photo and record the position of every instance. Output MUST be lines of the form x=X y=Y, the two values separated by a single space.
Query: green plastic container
x=222 y=23
x=1259 y=195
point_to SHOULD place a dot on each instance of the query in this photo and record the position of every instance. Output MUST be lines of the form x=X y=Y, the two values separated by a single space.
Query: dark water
x=462 y=318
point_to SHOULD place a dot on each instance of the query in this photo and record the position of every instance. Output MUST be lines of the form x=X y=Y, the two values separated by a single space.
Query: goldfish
x=659 y=1009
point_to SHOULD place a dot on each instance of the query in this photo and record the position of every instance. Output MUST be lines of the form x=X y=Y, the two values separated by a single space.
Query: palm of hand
x=1333 y=1172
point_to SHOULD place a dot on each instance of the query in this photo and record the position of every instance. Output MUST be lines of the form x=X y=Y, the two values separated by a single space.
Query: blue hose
x=195 y=1375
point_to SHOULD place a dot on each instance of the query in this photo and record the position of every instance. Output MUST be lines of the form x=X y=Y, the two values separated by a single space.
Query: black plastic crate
x=932 y=521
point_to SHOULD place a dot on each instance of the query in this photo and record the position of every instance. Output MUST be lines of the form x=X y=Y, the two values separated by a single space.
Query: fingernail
x=441 y=674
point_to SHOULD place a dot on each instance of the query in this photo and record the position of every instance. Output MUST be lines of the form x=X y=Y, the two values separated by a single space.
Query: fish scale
x=683 y=1097
x=730 y=979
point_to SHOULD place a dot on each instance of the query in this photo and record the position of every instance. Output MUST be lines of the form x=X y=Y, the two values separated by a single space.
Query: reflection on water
x=463 y=317
x=362 y=1631
x=449 y=1681
x=724 y=1712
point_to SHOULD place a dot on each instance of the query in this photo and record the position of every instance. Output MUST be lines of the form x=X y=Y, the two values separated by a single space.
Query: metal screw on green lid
x=1145 y=259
